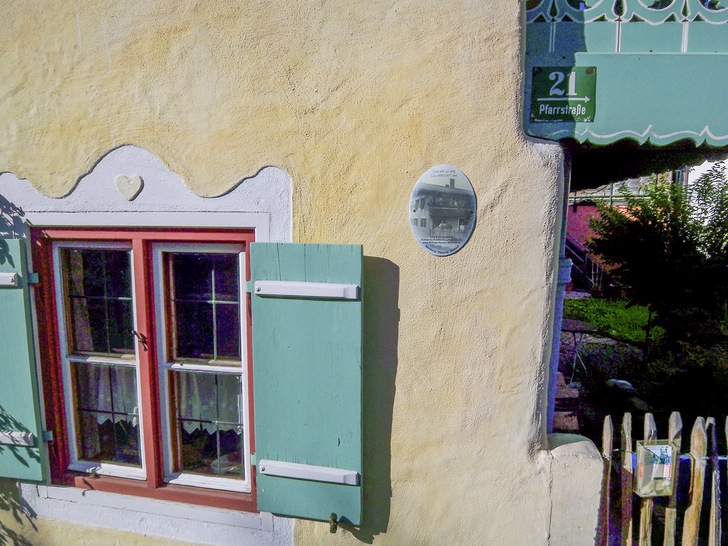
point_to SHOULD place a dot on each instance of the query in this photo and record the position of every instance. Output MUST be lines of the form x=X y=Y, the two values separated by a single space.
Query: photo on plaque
x=442 y=210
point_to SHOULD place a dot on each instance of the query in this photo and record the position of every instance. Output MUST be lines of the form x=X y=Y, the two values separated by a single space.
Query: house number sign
x=561 y=93
x=442 y=210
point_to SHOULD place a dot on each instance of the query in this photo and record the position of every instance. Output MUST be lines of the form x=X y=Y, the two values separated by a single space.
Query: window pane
x=108 y=438
x=197 y=447
x=118 y=273
x=194 y=330
x=123 y=390
x=205 y=300
x=213 y=452
x=228 y=330
x=100 y=305
x=93 y=387
x=226 y=277
x=108 y=420
x=230 y=464
x=86 y=272
x=88 y=325
x=192 y=277
x=229 y=393
x=94 y=434
x=121 y=324
x=197 y=396
x=209 y=425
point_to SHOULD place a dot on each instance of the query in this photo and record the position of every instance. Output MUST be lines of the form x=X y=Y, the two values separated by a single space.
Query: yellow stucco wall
x=355 y=100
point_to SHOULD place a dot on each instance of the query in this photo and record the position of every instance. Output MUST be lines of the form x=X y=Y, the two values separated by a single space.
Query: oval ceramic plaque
x=442 y=210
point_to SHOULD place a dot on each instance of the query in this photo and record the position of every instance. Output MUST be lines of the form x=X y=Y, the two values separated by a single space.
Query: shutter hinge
x=33 y=278
x=253 y=459
x=47 y=435
x=249 y=287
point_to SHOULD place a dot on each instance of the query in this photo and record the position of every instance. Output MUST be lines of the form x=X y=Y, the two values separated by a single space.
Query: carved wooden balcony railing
x=651 y=11
x=661 y=69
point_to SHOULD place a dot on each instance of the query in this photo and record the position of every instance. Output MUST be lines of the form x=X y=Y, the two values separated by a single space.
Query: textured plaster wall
x=354 y=100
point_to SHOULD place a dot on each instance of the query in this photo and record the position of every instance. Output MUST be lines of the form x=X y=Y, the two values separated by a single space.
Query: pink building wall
x=577 y=222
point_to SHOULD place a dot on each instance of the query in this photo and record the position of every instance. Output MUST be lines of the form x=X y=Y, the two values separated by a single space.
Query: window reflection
x=99 y=301
x=107 y=410
x=209 y=424
x=205 y=306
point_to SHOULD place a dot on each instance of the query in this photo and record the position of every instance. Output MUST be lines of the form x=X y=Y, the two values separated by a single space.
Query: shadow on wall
x=8 y=422
x=11 y=502
x=381 y=331
x=11 y=218
x=12 y=505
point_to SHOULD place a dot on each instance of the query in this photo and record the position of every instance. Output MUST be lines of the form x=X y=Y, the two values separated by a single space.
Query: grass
x=614 y=318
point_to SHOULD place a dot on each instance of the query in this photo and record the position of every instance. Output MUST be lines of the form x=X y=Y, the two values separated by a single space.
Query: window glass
x=205 y=306
x=107 y=413
x=99 y=301
x=209 y=423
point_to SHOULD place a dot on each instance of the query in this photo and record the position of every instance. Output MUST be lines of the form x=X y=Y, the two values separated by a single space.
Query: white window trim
x=75 y=462
x=257 y=221
x=164 y=365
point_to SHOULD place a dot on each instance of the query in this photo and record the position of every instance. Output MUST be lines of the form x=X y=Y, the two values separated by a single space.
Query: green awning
x=600 y=74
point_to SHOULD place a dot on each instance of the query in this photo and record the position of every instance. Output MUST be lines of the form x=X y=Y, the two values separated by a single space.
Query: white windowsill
x=106 y=469
x=262 y=521
x=209 y=482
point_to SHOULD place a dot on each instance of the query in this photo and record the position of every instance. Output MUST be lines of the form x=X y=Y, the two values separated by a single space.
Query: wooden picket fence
x=626 y=519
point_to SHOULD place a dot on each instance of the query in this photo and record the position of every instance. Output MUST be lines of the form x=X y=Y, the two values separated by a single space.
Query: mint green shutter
x=22 y=451
x=307 y=371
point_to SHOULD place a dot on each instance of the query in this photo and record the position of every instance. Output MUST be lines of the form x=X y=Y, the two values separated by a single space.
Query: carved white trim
x=264 y=199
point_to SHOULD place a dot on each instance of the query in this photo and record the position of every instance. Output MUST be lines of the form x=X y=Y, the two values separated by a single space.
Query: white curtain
x=201 y=399
x=103 y=388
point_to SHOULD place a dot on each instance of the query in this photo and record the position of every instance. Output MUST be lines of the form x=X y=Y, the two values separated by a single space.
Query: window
x=146 y=353
x=199 y=288
x=150 y=354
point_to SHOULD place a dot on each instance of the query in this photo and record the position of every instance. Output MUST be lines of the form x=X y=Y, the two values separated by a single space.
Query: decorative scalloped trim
x=706 y=135
x=162 y=192
x=683 y=11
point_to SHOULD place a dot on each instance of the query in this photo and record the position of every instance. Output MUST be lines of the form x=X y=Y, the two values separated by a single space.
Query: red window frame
x=46 y=309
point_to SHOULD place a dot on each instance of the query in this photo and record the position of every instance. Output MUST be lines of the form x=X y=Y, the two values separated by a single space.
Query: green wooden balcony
x=648 y=70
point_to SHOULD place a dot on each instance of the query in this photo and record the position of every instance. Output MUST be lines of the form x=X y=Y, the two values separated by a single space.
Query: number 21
x=559 y=77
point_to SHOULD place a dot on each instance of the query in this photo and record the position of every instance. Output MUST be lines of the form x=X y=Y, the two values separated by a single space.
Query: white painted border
x=75 y=463
x=263 y=203
x=259 y=221
x=158 y=507
x=152 y=517
x=164 y=364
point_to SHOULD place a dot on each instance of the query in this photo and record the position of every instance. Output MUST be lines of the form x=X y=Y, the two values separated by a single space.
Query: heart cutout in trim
x=129 y=186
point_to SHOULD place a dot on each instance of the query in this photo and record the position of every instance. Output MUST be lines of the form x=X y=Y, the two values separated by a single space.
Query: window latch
x=142 y=339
